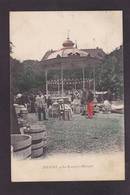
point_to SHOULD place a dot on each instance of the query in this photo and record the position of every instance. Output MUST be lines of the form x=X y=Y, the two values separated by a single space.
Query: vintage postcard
x=67 y=96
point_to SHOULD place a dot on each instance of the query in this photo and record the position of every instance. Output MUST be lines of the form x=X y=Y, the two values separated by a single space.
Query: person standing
x=90 y=105
x=83 y=102
x=32 y=103
x=49 y=102
x=107 y=106
x=61 y=109
x=39 y=106
x=44 y=106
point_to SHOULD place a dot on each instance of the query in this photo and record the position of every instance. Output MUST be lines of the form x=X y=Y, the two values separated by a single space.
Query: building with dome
x=70 y=68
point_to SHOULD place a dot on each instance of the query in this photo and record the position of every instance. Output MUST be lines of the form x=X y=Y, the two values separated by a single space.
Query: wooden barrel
x=39 y=139
x=24 y=113
x=22 y=122
x=17 y=108
x=37 y=148
x=21 y=146
x=45 y=140
x=20 y=109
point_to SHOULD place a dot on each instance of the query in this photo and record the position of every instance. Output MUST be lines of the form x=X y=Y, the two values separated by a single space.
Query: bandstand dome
x=68 y=43
x=69 y=49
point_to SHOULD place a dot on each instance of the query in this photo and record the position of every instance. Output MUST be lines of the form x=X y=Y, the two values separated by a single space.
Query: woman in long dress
x=90 y=105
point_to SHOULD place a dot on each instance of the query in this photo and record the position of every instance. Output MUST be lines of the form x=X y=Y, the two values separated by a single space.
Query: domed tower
x=68 y=43
x=69 y=49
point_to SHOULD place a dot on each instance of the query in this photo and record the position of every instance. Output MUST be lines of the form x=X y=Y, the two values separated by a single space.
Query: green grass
x=103 y=133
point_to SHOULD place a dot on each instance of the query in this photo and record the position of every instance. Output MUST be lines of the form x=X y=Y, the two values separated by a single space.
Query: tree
x=110 y=73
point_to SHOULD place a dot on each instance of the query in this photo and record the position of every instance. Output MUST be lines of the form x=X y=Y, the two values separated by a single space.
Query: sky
x=33 y=33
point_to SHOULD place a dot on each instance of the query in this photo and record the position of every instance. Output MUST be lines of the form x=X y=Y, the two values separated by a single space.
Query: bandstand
x=69 y=69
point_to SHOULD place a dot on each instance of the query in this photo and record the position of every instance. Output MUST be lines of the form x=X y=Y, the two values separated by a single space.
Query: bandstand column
x=62 y=81
x=46 y=82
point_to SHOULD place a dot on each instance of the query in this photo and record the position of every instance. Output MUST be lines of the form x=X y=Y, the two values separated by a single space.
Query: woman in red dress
x=90 y=105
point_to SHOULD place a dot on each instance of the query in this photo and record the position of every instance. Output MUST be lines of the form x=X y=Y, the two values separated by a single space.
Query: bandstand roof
x=66 y=52
x=70 y=57
x=69 y=49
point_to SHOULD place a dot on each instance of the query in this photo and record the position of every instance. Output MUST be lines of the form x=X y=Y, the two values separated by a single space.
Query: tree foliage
x=26 y=75
x=109 y=74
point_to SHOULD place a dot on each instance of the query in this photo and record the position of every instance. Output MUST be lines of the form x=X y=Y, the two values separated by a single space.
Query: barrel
x=21 y=146
x=24 y=112
x=22 y=122
x=39 y=139
x=17 y=108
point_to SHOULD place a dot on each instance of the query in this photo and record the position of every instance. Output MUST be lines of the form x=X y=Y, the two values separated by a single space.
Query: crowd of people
x=40 y=103
x=63 y=108
x=35 y=103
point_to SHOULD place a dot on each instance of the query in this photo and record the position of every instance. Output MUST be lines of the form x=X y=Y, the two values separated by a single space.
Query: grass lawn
x=93 y=150
x=103 y=133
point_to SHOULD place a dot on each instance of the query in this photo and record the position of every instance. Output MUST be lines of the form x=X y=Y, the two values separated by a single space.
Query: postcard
x=67 y=96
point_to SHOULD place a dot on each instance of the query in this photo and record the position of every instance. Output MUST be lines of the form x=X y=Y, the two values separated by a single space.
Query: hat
x=19 y=95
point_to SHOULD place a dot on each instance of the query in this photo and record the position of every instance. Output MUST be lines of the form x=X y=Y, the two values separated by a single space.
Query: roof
x=65 y=52
x=95 y=52
x=70 y=49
